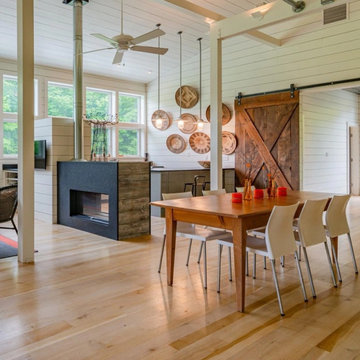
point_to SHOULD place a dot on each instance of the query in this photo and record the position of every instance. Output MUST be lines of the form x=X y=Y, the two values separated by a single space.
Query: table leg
x=334 y=242
x=170 y=244
x=239 y=239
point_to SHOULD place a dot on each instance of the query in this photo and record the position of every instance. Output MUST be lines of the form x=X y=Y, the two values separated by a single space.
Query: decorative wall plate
x=189 y=97
x=190 y=123
x=166 y=120
x=228 y=143
x=176 y=143
x=226 y=114
x=200 y=142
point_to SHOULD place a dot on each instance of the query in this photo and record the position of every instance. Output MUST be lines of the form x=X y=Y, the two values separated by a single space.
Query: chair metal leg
x=200 y=251
x=329 y=261
x=353 y=254
x=254 y=267
x=277 y=287
x=189 y=251
x=162 y=252
x=309 y=273
x=282 y=261
x=247 y=264
x=301 y=276
x=336 y=262
x=205 y=266
x=219 y=267
x=230 y=267
x=299 y=253
x=265 y=262
x=15 y=228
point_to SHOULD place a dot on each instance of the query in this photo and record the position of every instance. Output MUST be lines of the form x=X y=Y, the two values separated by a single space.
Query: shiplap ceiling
x=53 y=33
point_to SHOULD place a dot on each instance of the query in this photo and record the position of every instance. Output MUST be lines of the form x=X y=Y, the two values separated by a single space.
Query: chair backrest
x=279 y=234
x=311 y=227
x=173 y=196
x=8 y=202
x=214 y=192
x=335 y=218
x=241 y=188
x=199 y=180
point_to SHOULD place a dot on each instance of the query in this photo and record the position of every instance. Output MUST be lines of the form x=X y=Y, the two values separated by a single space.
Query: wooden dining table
x=218 y=211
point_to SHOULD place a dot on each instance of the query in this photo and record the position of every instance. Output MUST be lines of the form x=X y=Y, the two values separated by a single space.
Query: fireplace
x=90 y=205
x=110 y=199
x=88 y=197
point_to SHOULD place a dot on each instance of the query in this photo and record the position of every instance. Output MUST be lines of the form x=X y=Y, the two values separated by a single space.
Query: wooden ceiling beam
x=264 y=38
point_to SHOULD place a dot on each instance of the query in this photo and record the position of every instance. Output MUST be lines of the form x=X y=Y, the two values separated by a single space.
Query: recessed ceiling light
x=209 y=21
x=149 y=72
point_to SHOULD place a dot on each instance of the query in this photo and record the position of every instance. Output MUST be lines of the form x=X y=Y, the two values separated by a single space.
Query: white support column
x=216 y=109
x=25 y=64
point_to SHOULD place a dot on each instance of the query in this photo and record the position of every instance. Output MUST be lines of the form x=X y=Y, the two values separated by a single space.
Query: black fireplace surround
x=88 y=197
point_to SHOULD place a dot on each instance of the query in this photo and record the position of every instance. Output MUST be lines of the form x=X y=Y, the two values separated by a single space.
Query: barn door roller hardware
x=297 y=6
x=293 y=88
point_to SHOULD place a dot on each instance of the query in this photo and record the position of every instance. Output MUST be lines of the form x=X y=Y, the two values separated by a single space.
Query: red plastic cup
x=236 y=197
x=282 y=191
x=258 y=193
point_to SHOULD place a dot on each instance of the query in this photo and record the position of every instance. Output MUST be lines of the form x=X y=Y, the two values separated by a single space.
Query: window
x=98 y=104
x=130 y=128
x=10 y=138
x=60 y=100
x=8 y=115
x=10 y=95
x=10 y=101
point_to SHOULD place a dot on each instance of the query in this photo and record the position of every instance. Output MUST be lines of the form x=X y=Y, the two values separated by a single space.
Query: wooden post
x=25 y=67
x=215 y=110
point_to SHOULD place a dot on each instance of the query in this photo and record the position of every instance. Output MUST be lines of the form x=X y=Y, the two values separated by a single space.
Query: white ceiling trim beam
x=279 y=11
x=199 y=10
x=263 y=38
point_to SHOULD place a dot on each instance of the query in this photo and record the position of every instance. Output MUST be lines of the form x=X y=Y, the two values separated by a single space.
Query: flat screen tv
x=40 y=154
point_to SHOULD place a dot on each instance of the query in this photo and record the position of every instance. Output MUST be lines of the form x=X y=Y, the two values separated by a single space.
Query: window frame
x=140 y=126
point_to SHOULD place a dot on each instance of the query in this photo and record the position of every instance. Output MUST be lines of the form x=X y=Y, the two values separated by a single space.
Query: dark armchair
x=8 y=205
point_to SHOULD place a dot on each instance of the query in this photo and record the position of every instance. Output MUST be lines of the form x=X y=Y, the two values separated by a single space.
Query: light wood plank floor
x=92 y=298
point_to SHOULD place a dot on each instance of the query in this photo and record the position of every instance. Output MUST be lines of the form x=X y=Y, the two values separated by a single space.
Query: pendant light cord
x=122 y=17
x=158 y=26
x=200 y=78
x=179 y=33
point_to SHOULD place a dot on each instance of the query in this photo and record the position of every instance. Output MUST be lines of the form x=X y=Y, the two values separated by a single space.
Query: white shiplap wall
x=311 y=53
x=325 y=118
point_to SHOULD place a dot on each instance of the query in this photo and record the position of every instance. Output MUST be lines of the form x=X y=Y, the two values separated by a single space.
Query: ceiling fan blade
x=150 y=49
x=91 y=51
x=148 y=36
x=118 y=57
x=105 y=38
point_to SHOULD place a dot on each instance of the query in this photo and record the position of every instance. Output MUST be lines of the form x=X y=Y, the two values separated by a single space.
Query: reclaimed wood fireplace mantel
x=110 y=199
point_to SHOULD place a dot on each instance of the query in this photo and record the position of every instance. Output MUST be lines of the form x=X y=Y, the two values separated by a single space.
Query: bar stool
x=199 y=180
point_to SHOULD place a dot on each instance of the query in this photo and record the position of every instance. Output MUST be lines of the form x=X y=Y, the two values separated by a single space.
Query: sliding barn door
x=267 y=129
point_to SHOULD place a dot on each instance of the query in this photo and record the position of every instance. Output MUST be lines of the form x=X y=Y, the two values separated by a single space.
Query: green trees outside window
x=129 y=108
x=10 y=139
x=10 y=100
x=98 y=104
x=60 y=100
x=128 y=142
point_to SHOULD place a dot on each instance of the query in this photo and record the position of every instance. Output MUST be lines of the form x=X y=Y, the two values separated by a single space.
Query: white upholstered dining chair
x=309 y=231
x=193 y=232
x=336 y=224
x=213 y=192
x=278 y=241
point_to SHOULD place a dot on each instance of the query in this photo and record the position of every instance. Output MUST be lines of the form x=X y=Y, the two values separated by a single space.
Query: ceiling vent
x=334 y=14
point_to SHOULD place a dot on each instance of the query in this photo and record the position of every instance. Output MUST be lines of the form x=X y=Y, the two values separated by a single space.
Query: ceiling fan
x=124 y=42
